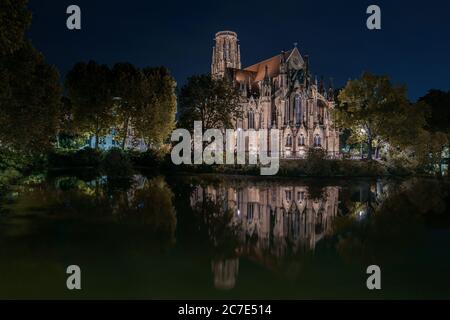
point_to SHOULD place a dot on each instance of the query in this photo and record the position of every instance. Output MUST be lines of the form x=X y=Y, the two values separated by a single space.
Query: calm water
x=225 y=237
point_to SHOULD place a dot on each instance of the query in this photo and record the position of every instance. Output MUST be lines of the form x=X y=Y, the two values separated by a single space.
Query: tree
x=29 y=87
x=130 y=90
x=29 y=106
x=213 y=101
x=438 y=119
x=157 y=117
x=126 y=98
x=14 y=20
x=377 y=110
x=147 y=102
x=89 y=87
x=151 y=207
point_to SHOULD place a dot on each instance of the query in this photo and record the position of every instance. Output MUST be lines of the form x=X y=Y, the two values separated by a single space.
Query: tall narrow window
x=289 y=141
x=250 y=210
x=317 y=142
x=251 y=120
x=301 y=140
x=298 y=110
x=225 y=51
x=288 y=195
x=286 y=113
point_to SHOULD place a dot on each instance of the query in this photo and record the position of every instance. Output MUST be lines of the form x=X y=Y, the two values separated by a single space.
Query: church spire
x=266 y=88
x=321 y=86
x=266 y=75
x=331 y=90
x=306 y=72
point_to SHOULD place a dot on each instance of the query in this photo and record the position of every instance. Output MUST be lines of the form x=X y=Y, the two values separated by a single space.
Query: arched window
x=321 y=112
x=289 y=141
x=251 y=120
x=250 y=210
x=301 y=140
x=298 y=110
x=317 y=142
x=288 y=195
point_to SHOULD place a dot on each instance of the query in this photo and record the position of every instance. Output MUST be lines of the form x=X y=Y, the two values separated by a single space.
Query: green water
x=225 y=237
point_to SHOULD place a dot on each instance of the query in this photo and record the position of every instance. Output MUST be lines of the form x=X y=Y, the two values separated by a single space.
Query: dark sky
x=413 y=46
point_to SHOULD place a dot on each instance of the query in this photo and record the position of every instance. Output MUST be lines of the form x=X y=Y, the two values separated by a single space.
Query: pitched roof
x=273 y=66
x=244 y=75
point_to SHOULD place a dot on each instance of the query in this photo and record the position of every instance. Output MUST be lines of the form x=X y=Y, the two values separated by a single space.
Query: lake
x=224 y=237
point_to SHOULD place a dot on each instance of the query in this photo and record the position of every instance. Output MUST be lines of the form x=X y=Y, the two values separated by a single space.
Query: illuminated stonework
x=279 y=93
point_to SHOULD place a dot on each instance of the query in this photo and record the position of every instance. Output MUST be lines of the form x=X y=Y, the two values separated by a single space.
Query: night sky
x=413 y=46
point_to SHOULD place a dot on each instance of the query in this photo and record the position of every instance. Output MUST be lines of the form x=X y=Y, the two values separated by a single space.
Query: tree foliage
x=129 y=89
x=157 y=118
x=376 y=110
x=438 y=117
x=29 y=89
x=213 y=101
x=89 y=90
x=14 y=20
x=141 y=102
x=438 y=123
x=30 y=104
x=413 y=135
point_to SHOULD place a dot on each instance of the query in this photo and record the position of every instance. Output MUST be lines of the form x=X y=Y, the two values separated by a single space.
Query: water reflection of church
x=276 y=221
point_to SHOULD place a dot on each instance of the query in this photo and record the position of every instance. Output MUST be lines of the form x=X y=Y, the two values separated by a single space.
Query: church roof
x=244 y=75
x=273 y=66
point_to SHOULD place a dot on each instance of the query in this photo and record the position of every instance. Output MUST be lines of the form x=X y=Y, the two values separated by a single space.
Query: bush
x=8 y=176
x=13 y=160
x=116 y=164
x=149 y=159
x=23 y=163
x=317 y=164
x=86 y=157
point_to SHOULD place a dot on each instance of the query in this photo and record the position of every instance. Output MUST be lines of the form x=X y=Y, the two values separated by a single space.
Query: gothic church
x=279 y=93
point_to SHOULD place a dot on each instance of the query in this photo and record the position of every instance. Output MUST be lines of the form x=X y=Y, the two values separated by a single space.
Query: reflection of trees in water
x=150 y=206
x=216 y=221
x=397 y=221
x=69 y=221
x=139 y=202
x=222 y=232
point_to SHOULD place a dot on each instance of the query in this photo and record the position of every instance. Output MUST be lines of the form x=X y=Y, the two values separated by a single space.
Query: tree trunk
x=448 y=161
x=441 y=171
x=377 y=152
x=125 y=126
x=97 y=131
x=96 y=141
x=369 y=145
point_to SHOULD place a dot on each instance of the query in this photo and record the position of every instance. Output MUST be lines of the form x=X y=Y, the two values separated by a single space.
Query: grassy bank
x=116 y=162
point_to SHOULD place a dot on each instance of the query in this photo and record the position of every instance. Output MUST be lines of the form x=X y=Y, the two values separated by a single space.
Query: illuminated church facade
x=279 y=93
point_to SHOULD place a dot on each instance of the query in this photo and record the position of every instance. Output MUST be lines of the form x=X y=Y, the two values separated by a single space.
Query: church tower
x=226 y=53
